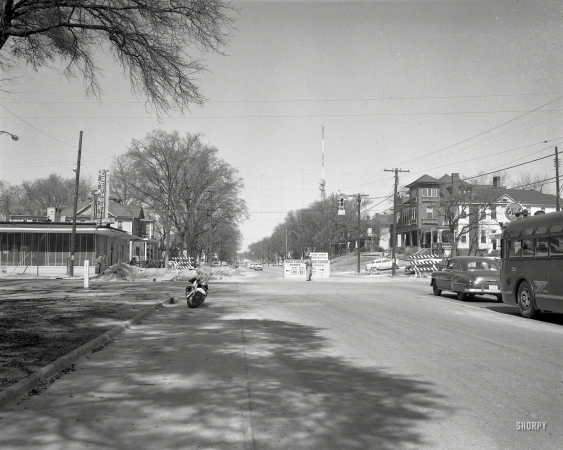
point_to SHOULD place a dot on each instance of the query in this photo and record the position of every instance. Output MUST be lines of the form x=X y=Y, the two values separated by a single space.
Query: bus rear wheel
x=526 y=301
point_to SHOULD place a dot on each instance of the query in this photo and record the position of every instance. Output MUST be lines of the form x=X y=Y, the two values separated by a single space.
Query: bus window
x=528 y=248
x=514 y=249
x=556 y=246
x=542 y=246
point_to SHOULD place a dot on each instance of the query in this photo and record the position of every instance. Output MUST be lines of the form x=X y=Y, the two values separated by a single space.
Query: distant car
x=468 y=276
x=251 y=265
x=379 y=264
x=216 y=263
x=258 y=267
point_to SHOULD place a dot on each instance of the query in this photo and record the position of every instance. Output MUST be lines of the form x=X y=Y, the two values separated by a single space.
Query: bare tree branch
x=148 y=38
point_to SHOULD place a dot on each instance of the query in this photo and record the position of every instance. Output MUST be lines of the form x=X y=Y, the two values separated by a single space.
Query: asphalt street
x=345 y=363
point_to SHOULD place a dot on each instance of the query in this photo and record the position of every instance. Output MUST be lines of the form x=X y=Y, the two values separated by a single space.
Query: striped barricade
x=424 y=264
x=180 y=263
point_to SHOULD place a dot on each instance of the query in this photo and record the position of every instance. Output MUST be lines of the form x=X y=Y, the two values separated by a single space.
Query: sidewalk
x=157 y=386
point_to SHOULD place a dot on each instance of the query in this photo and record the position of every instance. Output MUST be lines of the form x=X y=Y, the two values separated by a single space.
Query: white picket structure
x=180 y=263
x=424 y=264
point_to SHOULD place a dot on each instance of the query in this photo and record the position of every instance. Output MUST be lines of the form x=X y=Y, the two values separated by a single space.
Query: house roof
x=424 y=179
x=447 y=179
x=529 y=196
x=115 y=209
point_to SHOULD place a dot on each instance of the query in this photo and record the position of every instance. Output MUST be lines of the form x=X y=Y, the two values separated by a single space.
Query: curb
x=20 y=389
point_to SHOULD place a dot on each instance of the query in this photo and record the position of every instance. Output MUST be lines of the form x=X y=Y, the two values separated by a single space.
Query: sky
x=430 y=87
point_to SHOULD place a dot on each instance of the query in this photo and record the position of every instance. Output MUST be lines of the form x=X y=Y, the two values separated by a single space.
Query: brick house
x=475 y=213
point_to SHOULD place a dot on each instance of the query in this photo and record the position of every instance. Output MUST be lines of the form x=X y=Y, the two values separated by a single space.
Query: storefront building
x=44 y=248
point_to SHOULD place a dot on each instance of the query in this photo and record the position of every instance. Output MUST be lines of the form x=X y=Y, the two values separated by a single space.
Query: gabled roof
x=115 y=209
x=424 y=179
x=447 y=179
x=529 y=196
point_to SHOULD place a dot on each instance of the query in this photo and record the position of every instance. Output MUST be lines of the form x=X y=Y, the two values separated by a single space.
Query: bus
x=532 y=264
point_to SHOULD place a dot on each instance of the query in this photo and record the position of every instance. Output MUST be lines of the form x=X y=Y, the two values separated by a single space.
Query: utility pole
x=394 y=233
x=73 y=236
x=285 y=245
x=557 y=179
x=359 y=200
x=210 y=227
x=167 y=232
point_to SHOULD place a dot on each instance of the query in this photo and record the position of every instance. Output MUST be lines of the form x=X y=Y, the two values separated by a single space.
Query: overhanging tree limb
x=148 y=38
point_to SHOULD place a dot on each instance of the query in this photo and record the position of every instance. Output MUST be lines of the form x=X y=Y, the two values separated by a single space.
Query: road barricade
x=180 y=263
x=423 y=265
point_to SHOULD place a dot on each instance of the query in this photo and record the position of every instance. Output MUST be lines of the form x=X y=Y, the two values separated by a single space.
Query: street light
x=13 y=136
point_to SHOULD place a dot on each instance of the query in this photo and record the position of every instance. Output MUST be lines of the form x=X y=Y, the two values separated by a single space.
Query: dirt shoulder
x=44 y=319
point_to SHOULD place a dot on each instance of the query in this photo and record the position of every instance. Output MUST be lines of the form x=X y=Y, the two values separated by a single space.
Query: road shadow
x=546 y=317
x=197 y=378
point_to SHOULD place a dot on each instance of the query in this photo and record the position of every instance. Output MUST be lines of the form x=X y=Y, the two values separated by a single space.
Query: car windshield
x=482 y=265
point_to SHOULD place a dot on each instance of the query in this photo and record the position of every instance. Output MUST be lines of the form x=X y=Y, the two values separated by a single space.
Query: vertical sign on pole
x=102 y=201
x=86 y=277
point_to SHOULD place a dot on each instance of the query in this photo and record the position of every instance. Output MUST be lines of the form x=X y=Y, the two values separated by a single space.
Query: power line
x=34 y=127
x=284 y=116
x=506 y=168
x=484 y=132
x=427 y=97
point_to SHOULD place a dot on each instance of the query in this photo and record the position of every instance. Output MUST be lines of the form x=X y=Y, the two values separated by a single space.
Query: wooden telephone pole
x=557 y=193
x=394 y=233
x=73 y=235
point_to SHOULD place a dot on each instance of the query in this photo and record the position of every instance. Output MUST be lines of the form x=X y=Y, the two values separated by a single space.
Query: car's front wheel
x=462 y=296
x=435 y=289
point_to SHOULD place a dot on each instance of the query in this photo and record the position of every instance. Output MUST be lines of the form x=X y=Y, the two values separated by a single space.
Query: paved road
x=345 y=363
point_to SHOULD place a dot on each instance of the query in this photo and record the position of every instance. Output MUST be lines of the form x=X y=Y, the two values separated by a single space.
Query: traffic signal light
x=341 y=203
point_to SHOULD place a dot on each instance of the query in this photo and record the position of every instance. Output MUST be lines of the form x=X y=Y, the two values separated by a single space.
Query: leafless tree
x=464 y=207
x=34 y=197
x=180 y=181
x=528 y=181
x=148 y=38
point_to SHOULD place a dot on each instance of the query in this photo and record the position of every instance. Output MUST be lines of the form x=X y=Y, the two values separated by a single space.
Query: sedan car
x=468 y=276
x=252 y=265
x=258 y=267
x=379 y=264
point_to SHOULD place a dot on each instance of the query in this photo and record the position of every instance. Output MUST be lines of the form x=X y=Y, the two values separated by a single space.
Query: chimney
x=54 y=214
x=496 y=182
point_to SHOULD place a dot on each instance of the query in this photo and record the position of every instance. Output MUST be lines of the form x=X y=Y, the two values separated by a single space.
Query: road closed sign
x=321 y=264
x=293 y=269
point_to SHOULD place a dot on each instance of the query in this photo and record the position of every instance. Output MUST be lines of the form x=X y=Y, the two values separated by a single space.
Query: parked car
x=468 y=276
x=251 y=265
x=258 y=267
x=379 y=264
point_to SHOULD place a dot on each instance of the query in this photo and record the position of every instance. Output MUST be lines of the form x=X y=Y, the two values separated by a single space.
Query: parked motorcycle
x=196 y=292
